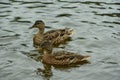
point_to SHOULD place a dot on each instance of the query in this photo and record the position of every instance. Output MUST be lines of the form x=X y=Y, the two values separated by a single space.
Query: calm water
x=97 y=26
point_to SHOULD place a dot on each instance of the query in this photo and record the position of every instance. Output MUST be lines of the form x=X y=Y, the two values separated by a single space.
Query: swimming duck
x=60 y=58
x=55 y=37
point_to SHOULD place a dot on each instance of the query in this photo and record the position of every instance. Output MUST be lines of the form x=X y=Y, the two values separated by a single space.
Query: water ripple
x=111 y=22
x=109 y=14
x=64 y=15
x=5 y=3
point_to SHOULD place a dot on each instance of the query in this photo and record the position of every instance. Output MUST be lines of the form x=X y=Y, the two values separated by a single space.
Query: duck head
x=47 y=47
x=38 y=24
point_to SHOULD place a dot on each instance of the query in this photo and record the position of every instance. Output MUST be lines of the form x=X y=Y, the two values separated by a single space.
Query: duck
x=61 y=58
x=55 y=37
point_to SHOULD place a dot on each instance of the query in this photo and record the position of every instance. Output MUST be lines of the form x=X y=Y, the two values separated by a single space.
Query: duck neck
x=41 y=29
x=40 y=33
x=46 y=57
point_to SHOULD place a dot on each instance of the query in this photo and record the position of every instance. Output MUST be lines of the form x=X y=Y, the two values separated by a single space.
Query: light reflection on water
x=97 y=34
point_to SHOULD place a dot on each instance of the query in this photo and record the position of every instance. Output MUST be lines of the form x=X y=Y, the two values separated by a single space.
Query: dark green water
x=97 y=26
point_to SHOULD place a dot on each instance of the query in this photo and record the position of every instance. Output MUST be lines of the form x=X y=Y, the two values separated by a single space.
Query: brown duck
x=55 y=37
x=60 y=58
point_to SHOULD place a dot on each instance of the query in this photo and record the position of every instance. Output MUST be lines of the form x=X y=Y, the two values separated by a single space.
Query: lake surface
x=97 y=33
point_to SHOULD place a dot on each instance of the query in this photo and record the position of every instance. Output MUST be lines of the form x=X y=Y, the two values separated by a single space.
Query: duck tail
x=85 y=58
x=69 y=31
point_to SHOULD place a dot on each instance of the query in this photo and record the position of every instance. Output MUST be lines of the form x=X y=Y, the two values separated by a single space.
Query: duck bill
x=31 y=27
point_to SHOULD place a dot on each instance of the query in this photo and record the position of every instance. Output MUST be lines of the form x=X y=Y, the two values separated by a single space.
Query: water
x=97 y=26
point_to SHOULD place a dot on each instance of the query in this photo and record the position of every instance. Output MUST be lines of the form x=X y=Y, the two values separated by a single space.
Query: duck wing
x=59 y=33
x=66 y=55
x=67 y=58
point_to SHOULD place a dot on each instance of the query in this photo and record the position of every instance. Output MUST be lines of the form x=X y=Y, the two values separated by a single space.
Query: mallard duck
x=61 y=57
x=56 y=37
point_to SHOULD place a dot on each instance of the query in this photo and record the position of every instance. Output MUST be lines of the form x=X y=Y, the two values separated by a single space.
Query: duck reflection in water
x=46 y=72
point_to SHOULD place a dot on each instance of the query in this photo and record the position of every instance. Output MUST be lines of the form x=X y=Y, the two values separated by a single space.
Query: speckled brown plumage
x=56 y=37
x=61 y=57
